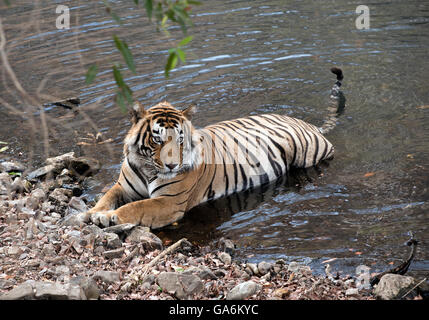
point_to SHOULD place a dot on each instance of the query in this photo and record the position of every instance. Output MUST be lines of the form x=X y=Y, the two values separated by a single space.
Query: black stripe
x=132 y=187
x=137 y=173
x=164 y=185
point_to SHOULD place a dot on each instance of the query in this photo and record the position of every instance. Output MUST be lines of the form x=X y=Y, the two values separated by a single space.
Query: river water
x=250 y=57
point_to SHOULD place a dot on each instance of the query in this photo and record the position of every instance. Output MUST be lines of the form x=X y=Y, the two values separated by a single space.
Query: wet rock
x=226 y=245
x=393 y=286
x=24 y=291
x=243 y=290
x=148 y=240
x=83 y=167
x=61 y=161
x=183 y=286
x=264 y=267
x=108 y=277
x=76 y=205
x=11 y=166
x=45 y=171
x=225 y=257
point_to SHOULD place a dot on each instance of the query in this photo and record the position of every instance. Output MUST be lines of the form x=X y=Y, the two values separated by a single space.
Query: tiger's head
x=160 y=140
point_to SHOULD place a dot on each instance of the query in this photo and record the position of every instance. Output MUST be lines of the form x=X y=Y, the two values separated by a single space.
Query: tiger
x=170 y=166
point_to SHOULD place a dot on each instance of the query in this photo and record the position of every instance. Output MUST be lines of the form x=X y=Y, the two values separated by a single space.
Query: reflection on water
x=253 y=57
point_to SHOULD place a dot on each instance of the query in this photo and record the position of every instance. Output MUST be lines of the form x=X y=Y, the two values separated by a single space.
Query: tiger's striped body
x=223 y=158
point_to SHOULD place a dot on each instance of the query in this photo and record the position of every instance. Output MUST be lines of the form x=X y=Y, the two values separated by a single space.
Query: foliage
x=176 y=11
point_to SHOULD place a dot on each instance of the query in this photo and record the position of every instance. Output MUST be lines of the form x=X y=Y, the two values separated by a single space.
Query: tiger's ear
x=189 y=111
x=137 y=112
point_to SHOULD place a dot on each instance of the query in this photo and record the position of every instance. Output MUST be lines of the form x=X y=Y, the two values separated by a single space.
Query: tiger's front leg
x=154 y=213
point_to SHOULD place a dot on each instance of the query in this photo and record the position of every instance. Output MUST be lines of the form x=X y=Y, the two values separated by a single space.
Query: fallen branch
x=144 y=271
x=413 y=288
x=403 y=267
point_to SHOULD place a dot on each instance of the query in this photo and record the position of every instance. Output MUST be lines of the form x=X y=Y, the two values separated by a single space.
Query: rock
x=298 y=268
x=60 y=196
x=121 y=228
x=243 y=290
x=6 y=284
x=37 y=196
x=11 y=166
x=253 y=268
x=393 y=286
x=48 y=250
x=62 y=160
x=182 y=286
x=264 y=267
x=115 y=253
x=14 y=251
x=107 y=276
x=83 y=167
x=226 y=245
x=148 y=240
x=352 y=292
x=57 y=291
x=113 y=241
x=5 y=183
x=72 y=220
x=46 y=171
x=224 y=257
x=202 y=272
x=23 y=291
x=20 y=185
x=76 y=205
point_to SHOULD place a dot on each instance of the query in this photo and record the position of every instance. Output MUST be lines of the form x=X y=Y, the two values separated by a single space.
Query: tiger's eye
x=157 y=140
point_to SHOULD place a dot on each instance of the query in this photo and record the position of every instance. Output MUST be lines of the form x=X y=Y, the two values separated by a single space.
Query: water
x=252 y=57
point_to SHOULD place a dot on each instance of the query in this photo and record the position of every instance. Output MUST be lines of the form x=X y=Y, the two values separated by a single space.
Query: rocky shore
x=45 y=253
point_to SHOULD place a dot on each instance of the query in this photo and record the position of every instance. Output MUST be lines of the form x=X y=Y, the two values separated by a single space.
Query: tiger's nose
x=171 y=166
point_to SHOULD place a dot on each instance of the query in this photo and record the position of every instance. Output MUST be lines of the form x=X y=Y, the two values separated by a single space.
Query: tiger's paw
x=105 y=218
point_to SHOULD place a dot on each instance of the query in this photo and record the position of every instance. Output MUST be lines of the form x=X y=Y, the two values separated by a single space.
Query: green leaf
x=7 y=2
x=181 y=54
x=91 y=73
x=120 y=101
x=2 y=142
x=112 y=13
x=4 y=149
x=185 y=41
x=124 y=94
x=149 y=8
x=196 y=3
x=19 y=174
x=136 y=2
x=126 y=53
x=171 y=63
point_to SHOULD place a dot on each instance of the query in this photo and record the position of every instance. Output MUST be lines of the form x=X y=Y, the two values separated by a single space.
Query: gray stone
x=11 y=166
x=264 y=267
x=226 y=245
x=352 y=292
x=37 y=196
x=19 y=185
x=253 y=267
x=60 y=195
x=49 y=170
x=203 y=272
x=107 y=276
x=121 y=228
x=88 y=285
x=5 y=183
x=243 y=290
x=77 y=205
x=183 y=286
x=298 y=268
x=22 y=291
x=393 y=286
x=115 y=253
x=72 y=220
x=225 y=257
x=112 y=241
x=50 y=290
x=148 y=240
x=84 y=167
x=62 y=160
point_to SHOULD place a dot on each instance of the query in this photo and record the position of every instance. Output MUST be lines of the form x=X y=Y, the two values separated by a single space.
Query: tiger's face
x=160 y=140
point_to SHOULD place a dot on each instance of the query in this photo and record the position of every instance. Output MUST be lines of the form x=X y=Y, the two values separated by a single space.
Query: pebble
x=243 y=290
x=225 y=258
x=264 y=267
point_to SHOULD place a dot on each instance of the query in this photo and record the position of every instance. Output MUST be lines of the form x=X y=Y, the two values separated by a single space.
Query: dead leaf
x=423 y=107
x=358 y=253
x=329 y=260
x=282 y=292
x=369 y=174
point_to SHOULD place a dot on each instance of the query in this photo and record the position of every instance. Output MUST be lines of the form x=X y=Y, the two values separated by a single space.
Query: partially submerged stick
x=403 y=267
